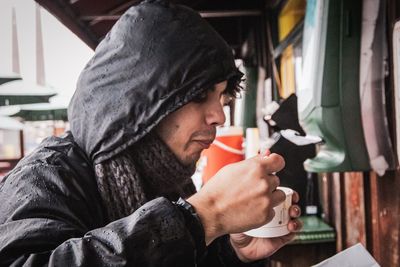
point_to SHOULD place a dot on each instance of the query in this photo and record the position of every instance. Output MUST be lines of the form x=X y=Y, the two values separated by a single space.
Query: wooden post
x=373 y=204
x=325 y=187
x=385 y=216
x=21 y=143
x=337 y=209
x=355 y=208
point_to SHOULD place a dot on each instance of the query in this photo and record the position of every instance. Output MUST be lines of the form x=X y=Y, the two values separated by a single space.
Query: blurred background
x=40 y=63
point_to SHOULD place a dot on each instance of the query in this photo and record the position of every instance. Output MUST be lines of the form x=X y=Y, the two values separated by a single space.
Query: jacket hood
x=156 y=58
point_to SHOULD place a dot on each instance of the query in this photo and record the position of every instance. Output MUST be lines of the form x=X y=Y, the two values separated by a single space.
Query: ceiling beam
x=97 y=18
x=230 y=13
x=63 y=12
x=205 y=14
x=114 y=12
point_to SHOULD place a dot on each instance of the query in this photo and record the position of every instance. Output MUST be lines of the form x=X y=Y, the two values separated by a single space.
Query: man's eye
x=201 y=98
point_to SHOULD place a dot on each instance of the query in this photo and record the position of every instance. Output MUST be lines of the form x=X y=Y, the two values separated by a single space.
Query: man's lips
x=204 y=143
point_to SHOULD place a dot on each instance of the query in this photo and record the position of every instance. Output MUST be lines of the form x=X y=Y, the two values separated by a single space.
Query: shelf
x=315 y=230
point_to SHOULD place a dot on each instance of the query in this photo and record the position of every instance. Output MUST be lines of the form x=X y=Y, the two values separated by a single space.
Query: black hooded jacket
x=156 y=58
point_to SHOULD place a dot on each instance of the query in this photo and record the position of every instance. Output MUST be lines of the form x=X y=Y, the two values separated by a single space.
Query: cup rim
x=288 y=191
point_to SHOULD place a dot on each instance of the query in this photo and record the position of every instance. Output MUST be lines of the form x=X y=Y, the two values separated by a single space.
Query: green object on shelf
x=315 y=230
x=329 y=97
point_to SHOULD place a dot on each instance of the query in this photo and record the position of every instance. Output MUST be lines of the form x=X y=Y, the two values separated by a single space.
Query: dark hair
x=234 y=87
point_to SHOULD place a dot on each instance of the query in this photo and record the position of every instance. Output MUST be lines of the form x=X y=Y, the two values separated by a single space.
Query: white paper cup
x=278 y=225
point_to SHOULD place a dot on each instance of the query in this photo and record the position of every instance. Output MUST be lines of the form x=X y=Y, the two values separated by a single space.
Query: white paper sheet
x=355 y=256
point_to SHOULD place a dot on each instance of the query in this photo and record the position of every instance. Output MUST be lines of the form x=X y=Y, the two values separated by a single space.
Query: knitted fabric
x=145 y=171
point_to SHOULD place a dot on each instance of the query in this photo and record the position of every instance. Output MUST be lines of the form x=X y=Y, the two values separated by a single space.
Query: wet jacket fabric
x=51 y=215
x=156 y=58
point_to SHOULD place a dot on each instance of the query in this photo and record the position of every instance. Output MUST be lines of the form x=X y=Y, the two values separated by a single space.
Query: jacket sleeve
x=46 y=221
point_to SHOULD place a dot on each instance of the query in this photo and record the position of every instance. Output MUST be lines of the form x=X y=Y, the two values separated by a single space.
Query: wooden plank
x=389 y=218
x=355 y=209
x=21 y=144
x=337 y=209
x=302 y=255
x=324 y=180
x=387 y=231
x=396 y=236
x=374 y=241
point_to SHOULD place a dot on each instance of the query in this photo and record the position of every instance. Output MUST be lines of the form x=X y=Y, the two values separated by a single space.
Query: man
x=106 y=193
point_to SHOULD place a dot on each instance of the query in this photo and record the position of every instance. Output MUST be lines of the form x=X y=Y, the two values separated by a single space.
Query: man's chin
x=192 y=159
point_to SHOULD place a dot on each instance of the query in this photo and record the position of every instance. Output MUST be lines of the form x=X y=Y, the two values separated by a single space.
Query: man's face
x=192 y=128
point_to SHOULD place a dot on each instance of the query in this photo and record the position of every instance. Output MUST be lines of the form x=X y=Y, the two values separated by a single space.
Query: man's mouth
x=204 y=143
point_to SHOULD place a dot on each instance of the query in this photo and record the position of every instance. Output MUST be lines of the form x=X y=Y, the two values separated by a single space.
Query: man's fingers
x=295 y=197
x=277 y=197
x=273 y=163
x=294 y=211
x=295 y=225
x=273 y=182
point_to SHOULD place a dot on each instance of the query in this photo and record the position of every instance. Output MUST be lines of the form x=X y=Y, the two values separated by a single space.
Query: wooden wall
x=365 y=208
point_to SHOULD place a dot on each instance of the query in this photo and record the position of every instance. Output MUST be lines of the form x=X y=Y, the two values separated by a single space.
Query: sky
x=65 y=55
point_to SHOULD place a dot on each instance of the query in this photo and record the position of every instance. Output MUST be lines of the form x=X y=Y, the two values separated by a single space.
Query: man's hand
x=240 y=197
x=249 y=248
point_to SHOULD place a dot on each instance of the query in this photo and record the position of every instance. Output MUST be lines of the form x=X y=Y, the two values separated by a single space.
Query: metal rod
x=204 y=14
x=230 y=13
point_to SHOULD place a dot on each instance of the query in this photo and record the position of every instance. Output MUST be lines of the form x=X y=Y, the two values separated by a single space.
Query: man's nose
x=215 y=115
